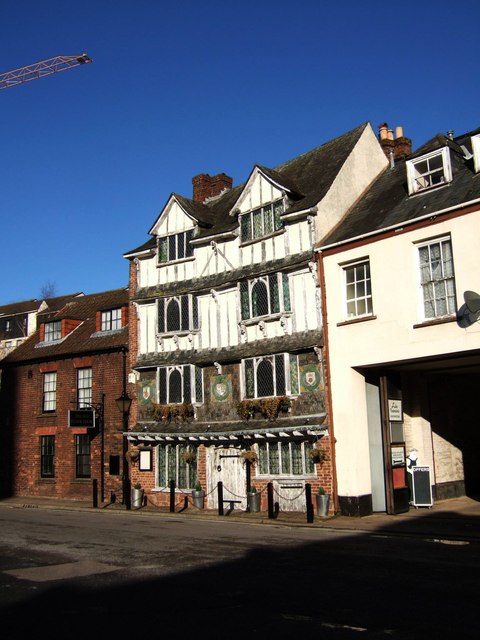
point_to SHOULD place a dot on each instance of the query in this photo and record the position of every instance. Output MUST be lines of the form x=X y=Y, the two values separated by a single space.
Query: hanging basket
x=132 y=455
x=251 y=456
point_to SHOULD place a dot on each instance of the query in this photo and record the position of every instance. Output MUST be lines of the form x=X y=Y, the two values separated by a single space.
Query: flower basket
x=132 y=455
x=317 y=455
x=251 y=456
x=168 y=412
x=189 y=457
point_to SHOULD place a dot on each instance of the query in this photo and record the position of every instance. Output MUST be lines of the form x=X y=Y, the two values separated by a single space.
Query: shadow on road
x=343 y=586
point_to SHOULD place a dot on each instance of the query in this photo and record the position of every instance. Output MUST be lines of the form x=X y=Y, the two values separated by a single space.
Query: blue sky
x=89 y=156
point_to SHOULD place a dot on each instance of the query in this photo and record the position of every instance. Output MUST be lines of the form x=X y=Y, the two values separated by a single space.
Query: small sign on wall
x=145 y=460
x=395 y=413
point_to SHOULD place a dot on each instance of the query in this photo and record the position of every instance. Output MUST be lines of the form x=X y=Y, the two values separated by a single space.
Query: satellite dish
x=472 y=300
x=469 y=313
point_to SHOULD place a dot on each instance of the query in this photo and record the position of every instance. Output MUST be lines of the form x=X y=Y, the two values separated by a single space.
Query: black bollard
x=172 y=496
x=220 y=498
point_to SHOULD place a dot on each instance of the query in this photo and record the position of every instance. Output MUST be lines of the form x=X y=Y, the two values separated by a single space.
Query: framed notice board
x=422 y=487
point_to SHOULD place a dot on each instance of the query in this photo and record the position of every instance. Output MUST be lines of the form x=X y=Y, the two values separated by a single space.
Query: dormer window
x=175 y=247
x=429 y=171
x=261 y=222
x=53 y=331
x=476 y=152
x=111 y=320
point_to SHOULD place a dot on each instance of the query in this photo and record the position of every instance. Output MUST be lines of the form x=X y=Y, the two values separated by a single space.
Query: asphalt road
x=81 y=574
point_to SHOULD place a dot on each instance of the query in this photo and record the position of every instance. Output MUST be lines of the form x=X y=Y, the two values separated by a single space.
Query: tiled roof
x=27 y=306
x=81 y=340
x=308 y=177
x=388 y=203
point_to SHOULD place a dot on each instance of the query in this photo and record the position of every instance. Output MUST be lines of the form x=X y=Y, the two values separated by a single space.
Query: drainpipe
x=321 y=284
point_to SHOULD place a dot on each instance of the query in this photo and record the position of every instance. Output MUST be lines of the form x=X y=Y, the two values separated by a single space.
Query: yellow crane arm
x=40 y=69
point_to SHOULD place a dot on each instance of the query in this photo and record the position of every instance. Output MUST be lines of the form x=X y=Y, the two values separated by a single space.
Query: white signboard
x=395 y=413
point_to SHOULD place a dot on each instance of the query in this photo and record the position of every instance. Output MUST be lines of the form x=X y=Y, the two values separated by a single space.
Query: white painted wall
x=364 y=164
x=391 y=336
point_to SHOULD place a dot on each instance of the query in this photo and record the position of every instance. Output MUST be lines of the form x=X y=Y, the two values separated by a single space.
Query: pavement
x=454 y=521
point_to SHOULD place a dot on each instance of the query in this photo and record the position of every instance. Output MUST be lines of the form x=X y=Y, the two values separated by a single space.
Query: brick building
x=18 y=320
x=59 y=426
x=227 y=342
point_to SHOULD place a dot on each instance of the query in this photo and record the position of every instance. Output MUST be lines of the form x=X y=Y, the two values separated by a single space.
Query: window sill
x=182 y=333
x=356 y=320
x=247 y=243
x=248 y=322
x=173 y=262
x=435 y=321
x=420 y=192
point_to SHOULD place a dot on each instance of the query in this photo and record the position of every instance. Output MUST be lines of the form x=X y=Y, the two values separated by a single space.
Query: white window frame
x=84 y=387
x=437 y=284
x=189 y=319
x=476 y=152
x=196 y=384
x=269 y=219
x=291 y=373
x=360 y=299
x=172 y=253
x=282 y=455
x=53 y=331
x=420 y=182
x=111 y=320
x=163 y=466
x=49 y=392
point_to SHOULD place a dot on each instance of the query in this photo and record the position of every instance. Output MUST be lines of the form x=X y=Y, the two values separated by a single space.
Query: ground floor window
x=47 y=456
x=285 y=459
x=82 y=456
x=176 y=462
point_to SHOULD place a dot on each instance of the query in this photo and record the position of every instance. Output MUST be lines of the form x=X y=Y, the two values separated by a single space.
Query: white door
x=226 y=465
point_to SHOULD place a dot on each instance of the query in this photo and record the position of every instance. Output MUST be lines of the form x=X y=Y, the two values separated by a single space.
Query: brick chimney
x=396 y=148
x=206 y=186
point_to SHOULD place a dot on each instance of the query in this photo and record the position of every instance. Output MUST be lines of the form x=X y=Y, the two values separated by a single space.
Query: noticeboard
x=421 y=487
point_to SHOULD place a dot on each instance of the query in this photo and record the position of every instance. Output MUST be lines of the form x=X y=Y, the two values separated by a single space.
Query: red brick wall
x=25 y=412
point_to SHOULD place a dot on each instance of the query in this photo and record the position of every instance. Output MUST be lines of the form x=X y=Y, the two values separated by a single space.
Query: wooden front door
x=225 y=464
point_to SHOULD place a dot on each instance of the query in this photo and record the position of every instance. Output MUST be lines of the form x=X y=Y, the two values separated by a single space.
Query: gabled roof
x=83 y=339
x=307 y=178
x=388 y=203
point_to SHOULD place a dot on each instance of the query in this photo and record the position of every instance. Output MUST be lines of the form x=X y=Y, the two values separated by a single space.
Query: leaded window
x=178 y=463
x=47 y=456
x=178 y=314
x=82 y=456
x=285 y=459
x=275 y=375
x=178 y=384
x=49 y=398
x=175 y=247
x=84 y=388
x=261 y=222
x=264 y=296
x=437 y=278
